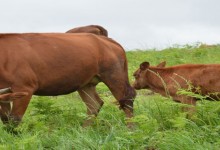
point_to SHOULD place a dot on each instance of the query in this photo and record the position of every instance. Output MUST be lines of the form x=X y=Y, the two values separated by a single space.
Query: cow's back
x=203 y=77
x=56 y=63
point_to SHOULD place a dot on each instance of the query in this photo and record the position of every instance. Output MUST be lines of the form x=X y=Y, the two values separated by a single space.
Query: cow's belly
x=56 y=89
x=62 y=85
x=55 y=93
x=64 y=79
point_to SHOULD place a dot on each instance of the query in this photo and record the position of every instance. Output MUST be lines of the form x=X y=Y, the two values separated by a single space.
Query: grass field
x=55 y=122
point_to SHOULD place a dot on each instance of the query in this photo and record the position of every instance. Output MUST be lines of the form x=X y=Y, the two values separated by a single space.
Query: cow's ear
x=162 y=64
x=144 y=65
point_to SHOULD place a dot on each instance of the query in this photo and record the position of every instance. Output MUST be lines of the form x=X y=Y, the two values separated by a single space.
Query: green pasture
x=54 y=123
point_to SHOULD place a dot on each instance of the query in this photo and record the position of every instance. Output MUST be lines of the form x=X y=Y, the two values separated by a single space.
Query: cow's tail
x=102 y=30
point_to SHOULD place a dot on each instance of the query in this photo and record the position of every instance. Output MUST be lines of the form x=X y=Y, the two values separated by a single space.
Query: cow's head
x=140 y=75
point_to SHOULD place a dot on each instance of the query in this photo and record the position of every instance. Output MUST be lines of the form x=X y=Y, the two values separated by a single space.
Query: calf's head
x=141 y=75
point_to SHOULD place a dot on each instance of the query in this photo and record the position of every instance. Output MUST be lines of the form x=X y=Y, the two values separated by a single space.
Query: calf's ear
x=162 y=64
x=144 y=65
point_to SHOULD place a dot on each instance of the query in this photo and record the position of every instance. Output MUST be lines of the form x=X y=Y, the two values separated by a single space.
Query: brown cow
x=51 y=64
x=95 y=29
x=202 y=79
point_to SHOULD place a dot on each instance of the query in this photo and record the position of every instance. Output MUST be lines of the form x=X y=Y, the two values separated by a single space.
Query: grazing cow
x=95 y=29
x=201 y=79
x=50 y=64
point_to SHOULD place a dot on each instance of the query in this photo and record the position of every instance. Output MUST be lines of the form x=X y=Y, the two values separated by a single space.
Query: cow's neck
x=157 y=79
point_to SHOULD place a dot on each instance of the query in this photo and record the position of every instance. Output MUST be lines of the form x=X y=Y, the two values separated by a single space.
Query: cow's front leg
x=5 y=109
x=190 y=110
x=19 y=106
x=5 y=104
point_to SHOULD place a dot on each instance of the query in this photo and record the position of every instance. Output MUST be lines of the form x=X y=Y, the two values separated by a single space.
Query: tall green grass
x=55 y=122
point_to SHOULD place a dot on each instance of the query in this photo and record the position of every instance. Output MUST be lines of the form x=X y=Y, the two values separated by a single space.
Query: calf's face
x=141 y=76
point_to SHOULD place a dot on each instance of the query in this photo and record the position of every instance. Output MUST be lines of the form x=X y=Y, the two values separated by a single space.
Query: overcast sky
x=141 y=24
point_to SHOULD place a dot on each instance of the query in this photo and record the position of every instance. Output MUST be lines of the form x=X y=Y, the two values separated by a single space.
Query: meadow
x=55 y=122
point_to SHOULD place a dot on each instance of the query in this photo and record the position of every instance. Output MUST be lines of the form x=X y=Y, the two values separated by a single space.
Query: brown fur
x=52 y=64
x=170 y=79
x=95 y=29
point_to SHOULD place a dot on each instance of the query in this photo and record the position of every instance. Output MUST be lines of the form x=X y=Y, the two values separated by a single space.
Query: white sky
x=141 y=24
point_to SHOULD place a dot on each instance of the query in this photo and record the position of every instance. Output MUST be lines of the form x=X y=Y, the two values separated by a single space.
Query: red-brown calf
x=202 y=79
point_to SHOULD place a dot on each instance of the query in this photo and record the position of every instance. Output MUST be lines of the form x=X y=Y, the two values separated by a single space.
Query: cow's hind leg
x=92 y=101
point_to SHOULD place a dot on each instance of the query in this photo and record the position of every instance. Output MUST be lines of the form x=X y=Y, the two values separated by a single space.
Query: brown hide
x=10 y=97
x=203 y=79
x=52 y=64
x=95 y=29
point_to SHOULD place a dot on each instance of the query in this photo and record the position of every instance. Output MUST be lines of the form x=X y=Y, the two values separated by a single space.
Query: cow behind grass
x=201 y=79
